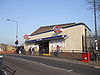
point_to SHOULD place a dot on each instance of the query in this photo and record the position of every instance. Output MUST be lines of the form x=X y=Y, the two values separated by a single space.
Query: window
x=60 y=42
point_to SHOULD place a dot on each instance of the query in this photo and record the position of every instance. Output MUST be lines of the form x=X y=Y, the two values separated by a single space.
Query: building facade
x=69 y=37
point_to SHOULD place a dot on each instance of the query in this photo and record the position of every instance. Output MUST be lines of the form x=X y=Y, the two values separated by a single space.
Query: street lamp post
x=16 y=42
x=96 y=36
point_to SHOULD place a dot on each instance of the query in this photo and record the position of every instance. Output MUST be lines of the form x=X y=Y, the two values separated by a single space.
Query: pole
x=96 y=42
x=16 y=33
x=16 y=30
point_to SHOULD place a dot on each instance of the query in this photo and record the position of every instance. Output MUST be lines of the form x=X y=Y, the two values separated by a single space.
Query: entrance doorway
x=43 y=47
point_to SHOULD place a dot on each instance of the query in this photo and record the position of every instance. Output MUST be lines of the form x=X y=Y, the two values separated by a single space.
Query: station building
x=70 y=38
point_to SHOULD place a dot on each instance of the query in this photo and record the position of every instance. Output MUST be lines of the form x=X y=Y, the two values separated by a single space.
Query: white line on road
x=5 y=73
x=98 y=67
x=45 y=65
x=56 y=68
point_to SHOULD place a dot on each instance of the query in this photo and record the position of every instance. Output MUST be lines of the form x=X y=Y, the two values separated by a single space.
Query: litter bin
x=86 y=57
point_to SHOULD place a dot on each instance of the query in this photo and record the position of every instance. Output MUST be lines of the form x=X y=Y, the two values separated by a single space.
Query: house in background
x=5 y=47
x=70 y=38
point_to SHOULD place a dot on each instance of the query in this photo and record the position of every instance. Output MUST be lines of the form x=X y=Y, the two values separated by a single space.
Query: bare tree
x=91 y=5
x=99 y=38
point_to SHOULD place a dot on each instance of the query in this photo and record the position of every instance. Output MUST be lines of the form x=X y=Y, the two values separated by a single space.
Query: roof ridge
x=58 y=24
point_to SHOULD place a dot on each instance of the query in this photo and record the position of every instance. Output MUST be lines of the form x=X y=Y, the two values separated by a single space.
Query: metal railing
x=73 y=54
x=70 y=51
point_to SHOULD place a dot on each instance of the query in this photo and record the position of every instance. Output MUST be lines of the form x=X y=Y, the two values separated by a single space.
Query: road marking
x=45 y=65
x=70 y=70
x=98 y=67
x=56 y=67
x=5 y=73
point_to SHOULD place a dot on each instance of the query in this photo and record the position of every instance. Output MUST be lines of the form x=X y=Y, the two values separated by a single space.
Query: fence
x=72 y=54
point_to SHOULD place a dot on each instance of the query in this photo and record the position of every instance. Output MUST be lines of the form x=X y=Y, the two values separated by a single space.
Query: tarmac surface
x=75 y=61
x=50 y=65
x=96 y=64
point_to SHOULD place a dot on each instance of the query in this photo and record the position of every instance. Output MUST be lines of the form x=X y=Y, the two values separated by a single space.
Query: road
x=34 y=65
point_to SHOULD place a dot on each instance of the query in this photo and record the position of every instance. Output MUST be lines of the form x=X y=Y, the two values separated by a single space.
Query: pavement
x=91 y=63
x=96 y=64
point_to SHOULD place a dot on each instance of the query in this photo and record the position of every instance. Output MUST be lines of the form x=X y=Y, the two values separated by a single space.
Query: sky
x=32 y=14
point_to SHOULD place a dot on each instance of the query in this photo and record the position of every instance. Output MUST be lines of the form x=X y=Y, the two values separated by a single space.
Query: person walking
x=20 y=51
x=32 y=50
x=58 y=50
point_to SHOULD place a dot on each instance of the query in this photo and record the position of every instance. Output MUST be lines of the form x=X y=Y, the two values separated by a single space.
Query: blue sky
x=31 y=14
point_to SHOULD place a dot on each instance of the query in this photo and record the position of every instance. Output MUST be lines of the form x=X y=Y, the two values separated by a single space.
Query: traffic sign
x=57 y=29
x=26 y=36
